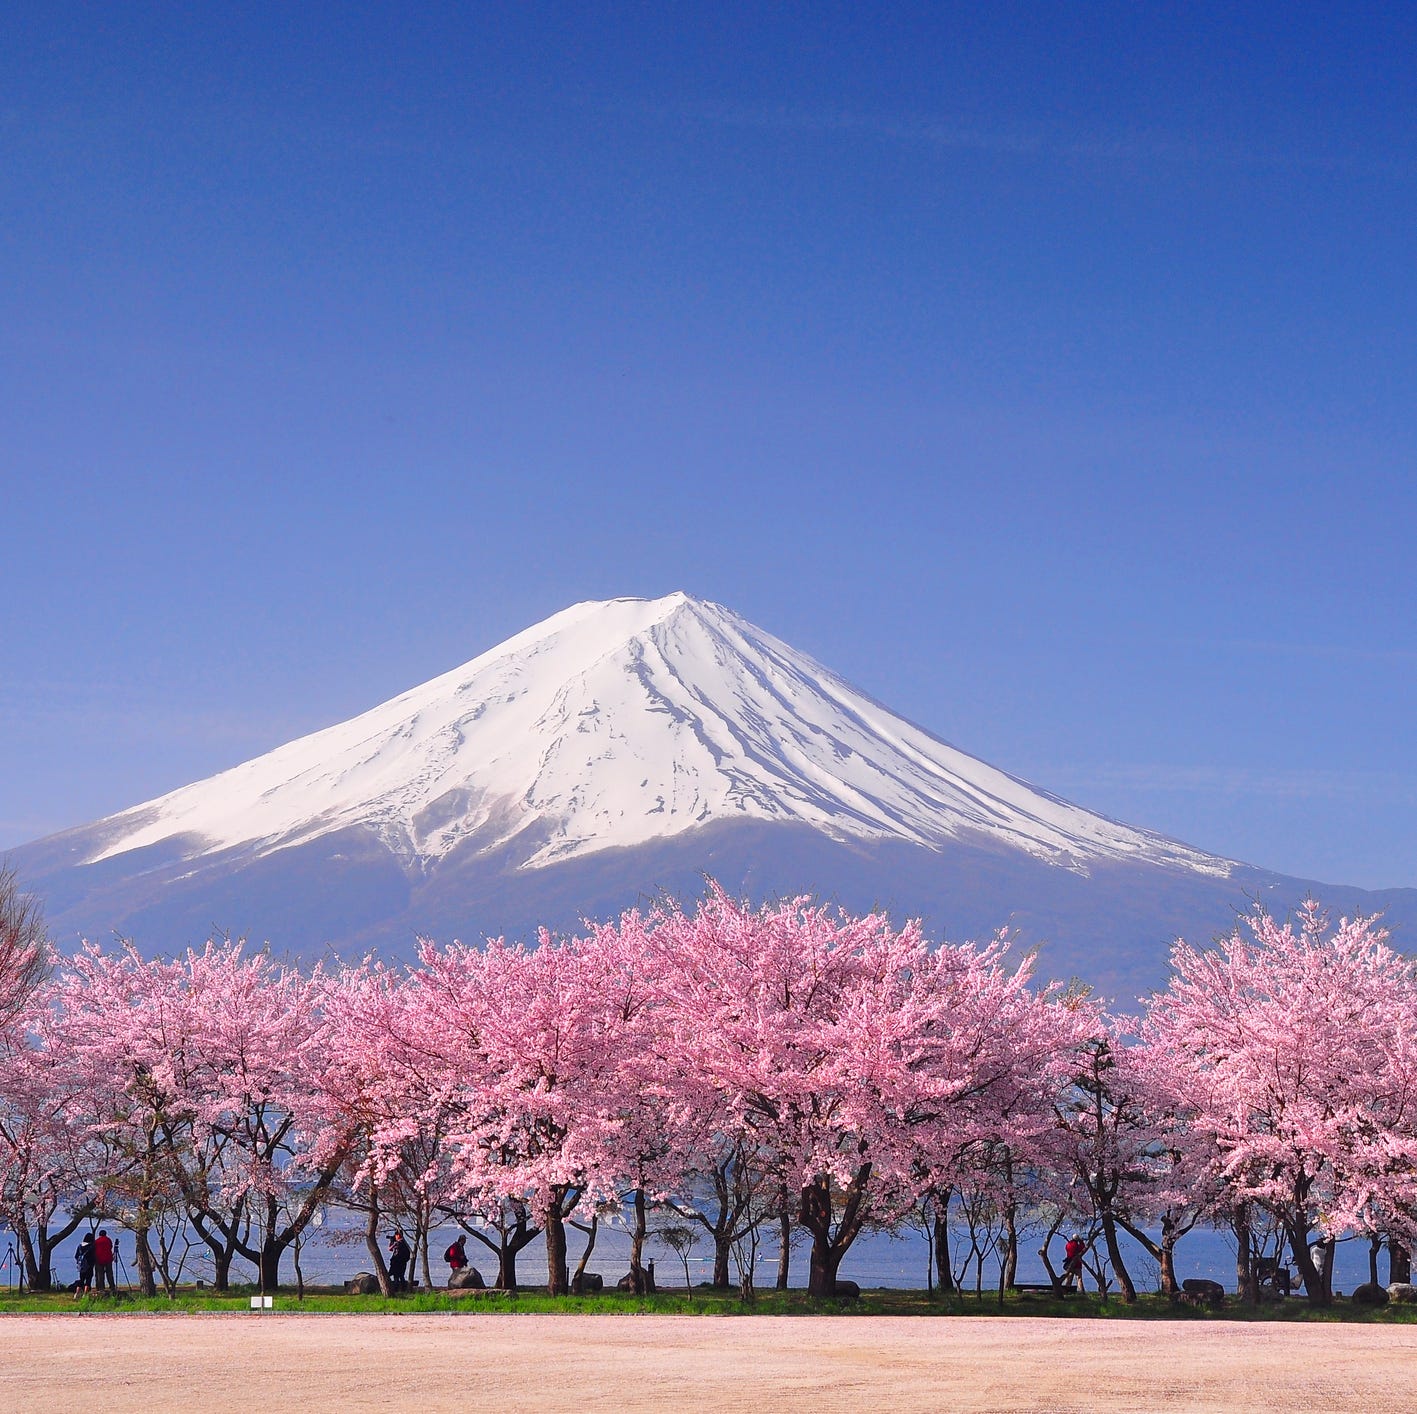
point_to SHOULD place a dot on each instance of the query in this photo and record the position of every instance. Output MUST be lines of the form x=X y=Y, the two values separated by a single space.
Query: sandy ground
x=545 y=1362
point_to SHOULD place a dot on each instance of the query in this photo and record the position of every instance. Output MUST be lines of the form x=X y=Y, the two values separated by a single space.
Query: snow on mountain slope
x=613 y=724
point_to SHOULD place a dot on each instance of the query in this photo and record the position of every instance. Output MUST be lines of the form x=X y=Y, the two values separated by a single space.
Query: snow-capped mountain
x=622 y=750
x=613 y=724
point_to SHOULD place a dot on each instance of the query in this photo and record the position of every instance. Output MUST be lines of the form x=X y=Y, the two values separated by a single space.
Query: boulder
x=847 y=1290
x=587 y=1282
x=466 y=1279
x=1403 y=1293
x=362 y=1284
x=1369 y=1294
x=1211 y=1293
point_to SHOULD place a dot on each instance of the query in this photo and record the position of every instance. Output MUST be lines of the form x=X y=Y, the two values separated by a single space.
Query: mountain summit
x=613 y=724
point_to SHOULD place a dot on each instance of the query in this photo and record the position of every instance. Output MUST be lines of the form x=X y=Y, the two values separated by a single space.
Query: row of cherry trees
x=733 y=1067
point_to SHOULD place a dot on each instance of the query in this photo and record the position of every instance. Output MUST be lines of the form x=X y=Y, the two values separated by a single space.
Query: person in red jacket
x=1073 y=1254
x=103 y=1260
x=456 y=1255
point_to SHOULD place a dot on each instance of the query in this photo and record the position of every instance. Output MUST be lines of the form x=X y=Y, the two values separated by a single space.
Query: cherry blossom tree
x=527 y=1044
x=1170 y=1172
x=42 y=1188
x=671 y=1122
x=1105 y=1136
x=202 y=1087
x=770 y=1005
x=266 y=1136
x=115 y=1025
x=1000 y=1052
x=1294 y=1045
x=387 y=1035
x=863 y=1061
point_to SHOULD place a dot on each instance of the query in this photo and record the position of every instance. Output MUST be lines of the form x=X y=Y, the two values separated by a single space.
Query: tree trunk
x=1245 y=1281
x=944 y=1274
x=1010 y=1263
x=557 y=1277
x=722 y=1250
x=511 y=1238
x=815 y=1214
x=821 y=1273
x=637 y=1245
x=1169 y=1285
x=32 y=1270
x=268 y=1265
x=1316 y=1285
x=507 y=1268
x=1399 y=1262
x=1047 y=1261
x=558 y=1280
x=1163 y=1253
x=747 y=1266
x=784 y=1247
x=1114 y=1255
x=1375 y=1245
x=371 y=1245
x=578 y=1281
x=221 y=1243
x=143 y=1260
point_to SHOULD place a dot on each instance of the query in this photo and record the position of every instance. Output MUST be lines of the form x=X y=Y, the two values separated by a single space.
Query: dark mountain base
x=1112 y=928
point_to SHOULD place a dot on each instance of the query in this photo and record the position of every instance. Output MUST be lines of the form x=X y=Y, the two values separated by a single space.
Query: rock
x=587 y=1282
x=466 y=1279
x=1205 y=1290
x=362 y=1284
x=847 y=1290
x=1369 y=1294
x=1403 y=1293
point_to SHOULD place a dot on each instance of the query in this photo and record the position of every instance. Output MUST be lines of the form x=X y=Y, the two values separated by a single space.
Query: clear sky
x=1048 y=370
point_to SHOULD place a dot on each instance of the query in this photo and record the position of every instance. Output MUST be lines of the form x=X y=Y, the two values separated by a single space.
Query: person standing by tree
x=84 y=1256
x=103 y=1260
x=399 y=1254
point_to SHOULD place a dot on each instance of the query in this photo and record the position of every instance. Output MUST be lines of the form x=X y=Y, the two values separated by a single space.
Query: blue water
x=875 y=1260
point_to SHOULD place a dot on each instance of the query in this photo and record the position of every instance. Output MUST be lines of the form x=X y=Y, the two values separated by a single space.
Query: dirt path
x=670 y=1363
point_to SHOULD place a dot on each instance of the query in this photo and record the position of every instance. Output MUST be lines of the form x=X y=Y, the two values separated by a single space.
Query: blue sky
x=1049 y=371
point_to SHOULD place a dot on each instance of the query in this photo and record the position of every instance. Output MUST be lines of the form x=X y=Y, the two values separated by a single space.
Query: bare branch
x=24 y=950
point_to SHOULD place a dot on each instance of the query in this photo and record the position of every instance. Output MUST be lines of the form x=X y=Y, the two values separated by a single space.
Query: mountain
x=616 y=751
